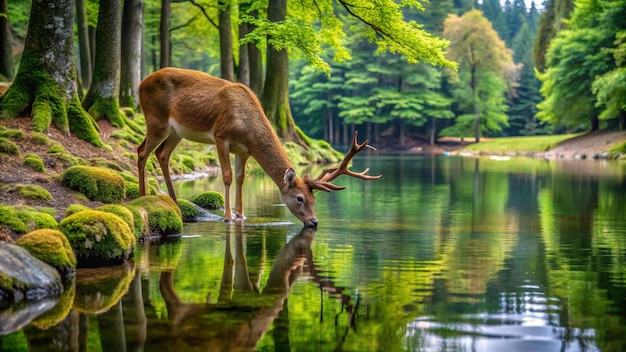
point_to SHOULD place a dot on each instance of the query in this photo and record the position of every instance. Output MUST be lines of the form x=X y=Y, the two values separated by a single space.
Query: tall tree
x=484 y=64
x=226 y=41
x=6 y=52
x=552 y=20
x=164 y=33
x=102 y=98
x=45 y=81
x=84 y=48
x=130 y=65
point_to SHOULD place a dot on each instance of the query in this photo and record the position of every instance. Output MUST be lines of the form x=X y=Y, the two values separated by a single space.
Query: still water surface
x=441 y=254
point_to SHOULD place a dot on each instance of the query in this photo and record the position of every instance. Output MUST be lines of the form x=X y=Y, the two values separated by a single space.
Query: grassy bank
x=525 y=145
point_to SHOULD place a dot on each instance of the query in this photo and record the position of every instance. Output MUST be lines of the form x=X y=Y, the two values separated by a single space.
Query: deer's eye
x=300 y=199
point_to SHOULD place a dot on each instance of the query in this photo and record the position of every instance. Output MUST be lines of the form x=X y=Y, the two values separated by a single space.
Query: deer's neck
x=273 y=159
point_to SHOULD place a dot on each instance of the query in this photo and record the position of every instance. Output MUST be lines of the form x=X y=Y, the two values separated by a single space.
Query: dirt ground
x=12 y=170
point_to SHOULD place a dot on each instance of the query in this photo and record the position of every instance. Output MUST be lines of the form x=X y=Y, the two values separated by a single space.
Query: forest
x=403 y=73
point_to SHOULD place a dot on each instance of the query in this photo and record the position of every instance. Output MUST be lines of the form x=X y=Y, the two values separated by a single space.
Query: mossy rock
x=188 y=210
x=164 y=216
x=99 y=289
x=141 y=223
x=34 y=162
x=23 y=219
x=124 y=213
x=9 y=147
x=32 y=192
x=98 y=238
x=14 y=134
x=51 y=247
x=39 y=139
x=98 y=184
x=56 y=315
x=75 y=208
x=208 y=200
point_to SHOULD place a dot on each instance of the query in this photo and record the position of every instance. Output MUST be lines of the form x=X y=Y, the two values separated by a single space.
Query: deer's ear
x=290 y=177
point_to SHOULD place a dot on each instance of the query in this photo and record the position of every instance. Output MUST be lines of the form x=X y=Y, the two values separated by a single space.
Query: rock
x=24 y=277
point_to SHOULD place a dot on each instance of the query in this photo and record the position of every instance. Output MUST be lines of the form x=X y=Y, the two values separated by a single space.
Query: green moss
x=56 y=149
x=8 y=147
x=126 y=136
x=34 y=162
x=164 y=216
x=98 y=184
x=83 y=125
x=75 y=208
x=52 y=247
x=188 y=210
x=14 y=342
x=40 y=139
x=109 y=109
x=208 y=200
x=33 y=192
x=23 y=219
x=141 y=223
x=13 y=134
x=124 y=213
x=98 y=237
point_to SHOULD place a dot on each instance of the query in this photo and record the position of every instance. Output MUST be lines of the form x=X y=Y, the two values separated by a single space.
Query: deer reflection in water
x=243 y=312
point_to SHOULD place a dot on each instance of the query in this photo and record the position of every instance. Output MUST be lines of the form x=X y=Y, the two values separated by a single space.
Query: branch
x=206 y=15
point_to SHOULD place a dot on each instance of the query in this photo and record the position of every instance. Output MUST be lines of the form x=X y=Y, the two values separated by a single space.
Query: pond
x=440 y=254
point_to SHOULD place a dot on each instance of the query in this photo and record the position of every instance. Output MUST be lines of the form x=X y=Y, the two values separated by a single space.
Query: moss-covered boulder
x=9 y=147
x=75 y=208
x=124 y=213
x=98 y=238
x=208 y=200
x=188 y=210
x=34 y=162
x=32 y=192
x=164 y=216
x=23 y=219
x=97 y=183
x=141 y=222
x=53 y=248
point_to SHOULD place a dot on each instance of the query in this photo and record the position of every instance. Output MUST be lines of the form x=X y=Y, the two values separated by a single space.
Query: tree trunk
x=433 y=129
x=275 y=97
x=102 y=99
x=476 y=107
x=226 y=42
x=243 y=69
x=595 y=123
x=164 y=31
x=6 y=55
x=132 y=39
x=45 y=82
x=256 y=64
x=83 y=44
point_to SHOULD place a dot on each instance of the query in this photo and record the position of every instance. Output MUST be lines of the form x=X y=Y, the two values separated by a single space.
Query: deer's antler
x=323 y=181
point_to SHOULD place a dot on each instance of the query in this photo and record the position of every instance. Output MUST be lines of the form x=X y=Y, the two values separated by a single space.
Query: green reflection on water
x=441 y=253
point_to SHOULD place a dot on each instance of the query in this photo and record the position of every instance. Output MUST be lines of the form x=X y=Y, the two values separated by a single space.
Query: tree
x=45 y=82
x=164 y=34
x=484 y=65
x=226 y=41
x=102 y=98
x=131 y=48
x=6 y=54
x=84 y=48
x=552 y=20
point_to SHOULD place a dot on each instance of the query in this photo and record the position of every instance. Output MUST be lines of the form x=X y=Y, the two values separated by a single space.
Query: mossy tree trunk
x=132 y=33
x=45 y=82
x=6 y=56
x=275 y=96
x=102 y=99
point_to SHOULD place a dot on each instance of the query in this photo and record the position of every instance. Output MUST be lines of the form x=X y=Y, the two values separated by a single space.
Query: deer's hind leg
x=163 y=153
x=149 y=144
x=240 y=175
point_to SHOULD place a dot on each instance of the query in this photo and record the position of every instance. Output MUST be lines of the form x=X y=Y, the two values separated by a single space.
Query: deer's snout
x=311 y=223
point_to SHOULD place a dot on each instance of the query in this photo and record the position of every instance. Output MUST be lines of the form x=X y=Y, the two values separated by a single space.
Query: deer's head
x=297 y=193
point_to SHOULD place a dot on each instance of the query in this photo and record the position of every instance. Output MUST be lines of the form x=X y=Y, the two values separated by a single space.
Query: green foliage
x=98 y=184
x=34 y=162
x=518 y=145
x=208 y=200
x=23 y=219
x=98 y=237
x=52 y=247
x=164 y=216
x=9 y=147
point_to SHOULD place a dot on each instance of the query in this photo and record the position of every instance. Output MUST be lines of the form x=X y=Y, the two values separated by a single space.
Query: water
x=441 y=254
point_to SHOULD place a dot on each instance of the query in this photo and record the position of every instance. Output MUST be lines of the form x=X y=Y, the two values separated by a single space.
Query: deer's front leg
x=240 y=175
x=227 y=176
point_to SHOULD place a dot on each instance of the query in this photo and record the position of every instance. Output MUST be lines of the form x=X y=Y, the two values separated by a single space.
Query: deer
x=188 y=104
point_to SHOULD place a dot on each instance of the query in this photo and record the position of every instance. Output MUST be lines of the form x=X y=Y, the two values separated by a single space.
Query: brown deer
x=179 y=103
